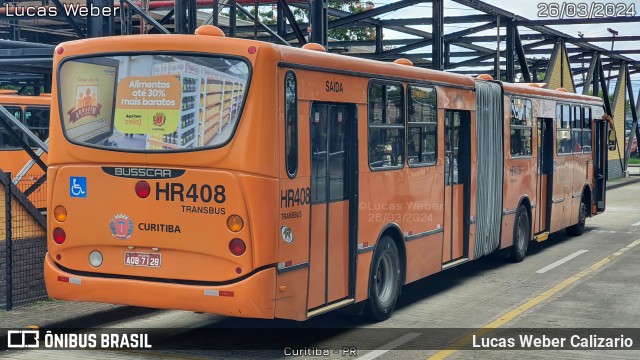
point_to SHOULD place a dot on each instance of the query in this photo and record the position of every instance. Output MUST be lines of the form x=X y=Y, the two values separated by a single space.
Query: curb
x=615 y=186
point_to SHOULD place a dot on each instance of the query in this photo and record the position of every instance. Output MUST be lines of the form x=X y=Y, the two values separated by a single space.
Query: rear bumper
x=251 y=297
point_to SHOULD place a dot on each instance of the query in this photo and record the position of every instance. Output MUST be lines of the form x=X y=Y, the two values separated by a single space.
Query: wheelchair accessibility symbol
x=78 y=187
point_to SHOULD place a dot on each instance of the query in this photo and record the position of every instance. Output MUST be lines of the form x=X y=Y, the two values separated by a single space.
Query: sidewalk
x=63 y=314
x=616 y=183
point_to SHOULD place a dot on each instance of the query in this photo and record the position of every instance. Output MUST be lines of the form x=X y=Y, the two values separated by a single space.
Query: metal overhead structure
x=489 y=39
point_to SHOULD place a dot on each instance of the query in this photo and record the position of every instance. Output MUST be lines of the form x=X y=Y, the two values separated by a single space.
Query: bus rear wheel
x=384 y=281
x=578 y=229
x=521 y=235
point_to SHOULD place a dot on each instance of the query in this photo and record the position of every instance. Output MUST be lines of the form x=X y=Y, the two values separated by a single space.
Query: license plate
x=153 y=260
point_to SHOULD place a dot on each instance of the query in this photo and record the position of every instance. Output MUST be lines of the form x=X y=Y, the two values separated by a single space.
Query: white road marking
x=636 y=224
x=390 y=346
x=561 y=261
x=613 y=232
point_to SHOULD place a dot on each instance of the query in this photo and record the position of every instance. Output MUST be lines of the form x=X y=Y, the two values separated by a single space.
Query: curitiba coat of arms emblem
x=121 y=226
x=159 y=119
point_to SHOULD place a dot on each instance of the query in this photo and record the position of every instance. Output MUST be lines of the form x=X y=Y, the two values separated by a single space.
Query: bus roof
x=319 y=59
x=13 y=99
x=356 y=66
x=528 y=89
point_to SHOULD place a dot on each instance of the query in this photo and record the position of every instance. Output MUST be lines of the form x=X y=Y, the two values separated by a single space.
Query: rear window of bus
x=7 y=139
x=152 y=102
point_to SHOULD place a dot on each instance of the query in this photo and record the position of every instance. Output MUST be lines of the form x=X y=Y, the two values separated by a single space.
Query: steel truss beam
x=635 y=132
x=262 y=25
x=292 y=22
x=578 y=21
x=589 y=79
x=447 y=20
x=396 y=5
x=68 y=19
x=522 y=59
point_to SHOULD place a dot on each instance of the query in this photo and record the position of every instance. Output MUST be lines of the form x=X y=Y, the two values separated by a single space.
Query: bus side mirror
x=612 y=140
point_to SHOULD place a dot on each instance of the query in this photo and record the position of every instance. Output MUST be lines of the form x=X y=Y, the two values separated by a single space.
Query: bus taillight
x=237 y=247
x=59 y=236
x=143 y=189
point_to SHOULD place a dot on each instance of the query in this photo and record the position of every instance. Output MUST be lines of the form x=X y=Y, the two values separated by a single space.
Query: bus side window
x=586 y=129
x=563 y=129
x=386 y=125
x=8 y=141
x=291 y=123
x=422 y=126
x=521 y=127
x=576 y=130
x=37 y=120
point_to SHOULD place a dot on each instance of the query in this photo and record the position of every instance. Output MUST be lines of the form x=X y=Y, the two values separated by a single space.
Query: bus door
x=545 y=174
x=333 y=175
x=562 y=171
x=457 y=179
x=600 y=154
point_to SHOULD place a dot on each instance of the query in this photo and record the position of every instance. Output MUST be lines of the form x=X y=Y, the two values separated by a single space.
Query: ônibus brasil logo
x=121 y=226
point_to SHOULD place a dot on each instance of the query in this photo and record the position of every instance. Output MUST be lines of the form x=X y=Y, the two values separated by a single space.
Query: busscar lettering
x=333 y=86
x=295 y=197
x=143 y=172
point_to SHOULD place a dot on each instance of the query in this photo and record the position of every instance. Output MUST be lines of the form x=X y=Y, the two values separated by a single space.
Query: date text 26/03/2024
x=585 y=10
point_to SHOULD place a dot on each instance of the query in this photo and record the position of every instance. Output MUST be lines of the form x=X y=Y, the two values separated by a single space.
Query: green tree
x=267 y=15
x=353 y=33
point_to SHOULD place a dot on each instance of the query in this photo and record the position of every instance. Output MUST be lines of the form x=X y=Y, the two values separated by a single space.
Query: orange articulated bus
x=32 y=111
x=247 y=179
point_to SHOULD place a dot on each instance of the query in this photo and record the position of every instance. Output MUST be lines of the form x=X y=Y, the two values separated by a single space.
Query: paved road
x=564 y=282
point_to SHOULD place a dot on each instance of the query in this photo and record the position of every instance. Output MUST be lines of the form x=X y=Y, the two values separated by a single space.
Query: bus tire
x=521 y=235
x=578 y=229
x=384 y=281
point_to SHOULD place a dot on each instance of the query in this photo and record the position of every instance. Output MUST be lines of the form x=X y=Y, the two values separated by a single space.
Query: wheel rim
x=522 y=230
x=385 y=279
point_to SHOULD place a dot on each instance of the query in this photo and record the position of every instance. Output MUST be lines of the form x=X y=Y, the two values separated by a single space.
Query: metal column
x=280 y=20
x=379 y=47
x=437 y=30
x=180 y=17
x=8 y=242
x=510 y=50
x=233 y=13
x=319 y=22
x=214 y=12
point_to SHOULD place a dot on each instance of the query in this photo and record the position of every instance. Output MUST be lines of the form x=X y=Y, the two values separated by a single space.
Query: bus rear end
x=154 y=155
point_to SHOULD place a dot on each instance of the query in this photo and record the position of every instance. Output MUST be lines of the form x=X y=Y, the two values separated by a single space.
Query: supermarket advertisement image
x=160 y=102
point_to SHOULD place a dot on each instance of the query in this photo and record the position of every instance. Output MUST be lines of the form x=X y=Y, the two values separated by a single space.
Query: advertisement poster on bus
x=88 y=114
x=148 y=105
